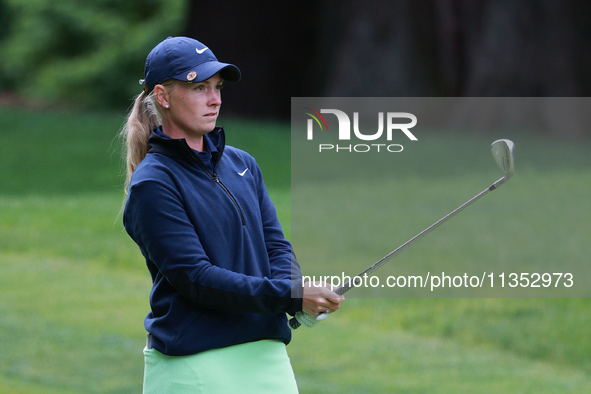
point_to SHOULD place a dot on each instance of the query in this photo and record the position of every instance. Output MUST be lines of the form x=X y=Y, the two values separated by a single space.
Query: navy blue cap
x=184 y=59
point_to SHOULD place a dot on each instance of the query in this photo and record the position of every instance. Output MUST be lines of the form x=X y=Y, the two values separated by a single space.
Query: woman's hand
x=318 y=296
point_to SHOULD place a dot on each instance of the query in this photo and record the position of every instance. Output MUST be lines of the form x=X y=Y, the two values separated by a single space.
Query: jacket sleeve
x=284 y=264
x=156 y=220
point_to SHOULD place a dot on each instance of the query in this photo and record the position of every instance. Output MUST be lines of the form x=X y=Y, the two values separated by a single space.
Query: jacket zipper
x=216 y=179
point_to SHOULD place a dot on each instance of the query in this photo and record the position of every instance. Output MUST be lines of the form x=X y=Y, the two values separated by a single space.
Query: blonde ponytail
x=143 y=117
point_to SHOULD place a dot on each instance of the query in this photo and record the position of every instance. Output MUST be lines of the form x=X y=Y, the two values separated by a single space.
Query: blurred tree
x=537 y=48
x=464 y=47
x=398 y=48
x=275 y=45
x=86 y=52
x=92 y=53
x=473 y=48
x=5 y=20
x=386 y=48
x=524 y=48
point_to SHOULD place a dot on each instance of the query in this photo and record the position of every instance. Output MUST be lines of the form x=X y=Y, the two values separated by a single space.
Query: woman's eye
x=219 y=87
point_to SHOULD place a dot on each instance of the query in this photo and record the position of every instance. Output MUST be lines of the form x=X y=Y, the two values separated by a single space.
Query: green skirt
x=255 y=367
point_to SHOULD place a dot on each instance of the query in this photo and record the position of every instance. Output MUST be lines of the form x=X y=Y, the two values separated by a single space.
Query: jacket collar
x=179 y=149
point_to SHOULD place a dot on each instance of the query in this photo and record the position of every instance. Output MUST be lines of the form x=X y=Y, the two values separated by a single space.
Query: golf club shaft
x=347 y=286
x=503 y=151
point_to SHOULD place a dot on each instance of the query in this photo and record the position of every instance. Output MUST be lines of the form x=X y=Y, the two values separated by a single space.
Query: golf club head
x=504 y=153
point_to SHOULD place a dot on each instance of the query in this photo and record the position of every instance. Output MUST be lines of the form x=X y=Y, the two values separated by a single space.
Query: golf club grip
x=294 y=323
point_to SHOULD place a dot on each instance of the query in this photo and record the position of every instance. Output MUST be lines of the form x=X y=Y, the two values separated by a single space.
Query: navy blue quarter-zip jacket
x=220 y=265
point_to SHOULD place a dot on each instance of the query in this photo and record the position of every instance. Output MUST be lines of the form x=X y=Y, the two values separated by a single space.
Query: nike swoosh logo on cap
x=243 y=172
x=200 y=51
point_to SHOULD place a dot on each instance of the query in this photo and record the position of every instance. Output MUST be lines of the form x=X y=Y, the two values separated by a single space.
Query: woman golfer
x=200 y=214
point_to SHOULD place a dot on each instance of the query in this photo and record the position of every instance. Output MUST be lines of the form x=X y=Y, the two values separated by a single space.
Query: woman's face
x=193 y=107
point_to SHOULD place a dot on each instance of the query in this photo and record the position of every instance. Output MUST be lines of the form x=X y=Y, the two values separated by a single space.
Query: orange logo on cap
x=191 y=76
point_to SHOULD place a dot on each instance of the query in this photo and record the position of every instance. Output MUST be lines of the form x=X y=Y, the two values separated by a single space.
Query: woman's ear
x=161 y=95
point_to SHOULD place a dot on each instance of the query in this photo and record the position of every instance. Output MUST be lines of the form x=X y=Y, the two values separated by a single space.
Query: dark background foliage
x=91 y=54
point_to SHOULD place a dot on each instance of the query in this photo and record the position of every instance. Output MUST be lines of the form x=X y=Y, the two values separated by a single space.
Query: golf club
x=503 y=152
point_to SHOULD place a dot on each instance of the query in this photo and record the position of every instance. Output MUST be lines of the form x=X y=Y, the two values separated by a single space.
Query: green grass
x=74 y=289
x=368 y=351
x=531 y=224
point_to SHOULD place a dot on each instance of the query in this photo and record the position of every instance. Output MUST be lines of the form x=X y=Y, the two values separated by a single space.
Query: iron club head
x=504 y=153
